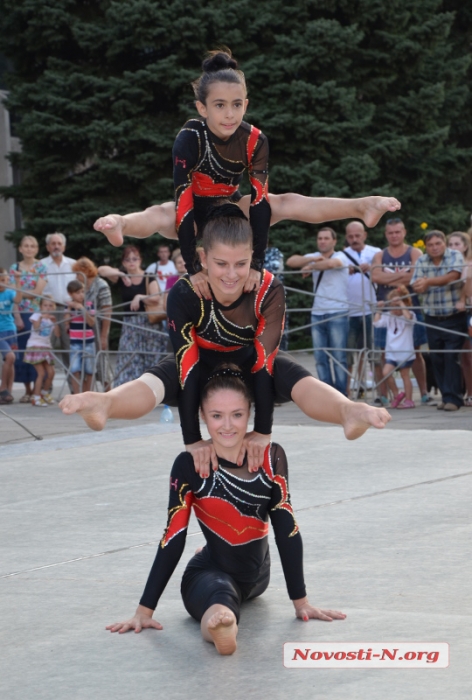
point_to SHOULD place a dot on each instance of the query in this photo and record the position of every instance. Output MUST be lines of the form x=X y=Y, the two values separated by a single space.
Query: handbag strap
x=320 y=276
x=356 y=263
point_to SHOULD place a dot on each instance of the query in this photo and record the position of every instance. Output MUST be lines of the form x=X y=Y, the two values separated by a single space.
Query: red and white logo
x=366 y=655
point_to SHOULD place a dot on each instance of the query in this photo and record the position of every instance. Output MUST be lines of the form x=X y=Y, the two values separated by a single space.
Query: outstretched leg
x=317 y=210
x=219 y=626
x=128 y=401
x=321 y=402
x=159 y=218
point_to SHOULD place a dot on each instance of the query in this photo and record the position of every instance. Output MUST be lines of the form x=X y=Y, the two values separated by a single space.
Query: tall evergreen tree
x=355 y=96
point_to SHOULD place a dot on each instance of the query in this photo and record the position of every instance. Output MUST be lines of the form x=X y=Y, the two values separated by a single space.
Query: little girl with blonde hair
x=39 y=351
x=399 y=321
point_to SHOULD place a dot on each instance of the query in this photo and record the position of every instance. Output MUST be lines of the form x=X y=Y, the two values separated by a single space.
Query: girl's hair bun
x=218 y=66
x=219 y=60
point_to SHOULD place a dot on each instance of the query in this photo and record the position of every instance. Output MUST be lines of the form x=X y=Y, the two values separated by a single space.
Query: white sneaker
x=38 y=401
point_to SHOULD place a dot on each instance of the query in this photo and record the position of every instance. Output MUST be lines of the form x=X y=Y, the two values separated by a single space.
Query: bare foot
x=92 y=406
x=376 y=207
x=111 y=227
x=223 y=629
x=359 y=417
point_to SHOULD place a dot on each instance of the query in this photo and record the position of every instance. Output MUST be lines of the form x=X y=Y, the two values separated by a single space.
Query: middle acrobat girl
x=242 y=327
x=210 y=155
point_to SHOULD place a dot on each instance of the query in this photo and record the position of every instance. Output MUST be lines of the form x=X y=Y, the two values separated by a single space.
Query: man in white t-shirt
x=60 y=273
x=361 y=293
x=164 y=267
x=330 y=309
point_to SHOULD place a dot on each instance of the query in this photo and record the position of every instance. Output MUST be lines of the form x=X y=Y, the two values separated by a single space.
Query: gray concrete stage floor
x=385 y=522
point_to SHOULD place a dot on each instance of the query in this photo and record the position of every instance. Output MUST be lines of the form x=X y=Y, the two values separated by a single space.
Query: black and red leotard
x=204 y=333
x=206 y=169
x=233 y=514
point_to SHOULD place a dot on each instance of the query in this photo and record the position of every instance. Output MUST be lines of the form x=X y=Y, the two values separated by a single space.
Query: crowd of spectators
x=351 y=286
x=83 y=312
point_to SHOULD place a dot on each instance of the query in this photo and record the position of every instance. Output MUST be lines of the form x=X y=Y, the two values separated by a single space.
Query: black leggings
x=286 y=374
x=204 y=584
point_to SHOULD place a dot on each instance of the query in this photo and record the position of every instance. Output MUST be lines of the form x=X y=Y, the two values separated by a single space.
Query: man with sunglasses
x=392 y=267
x=437 y=278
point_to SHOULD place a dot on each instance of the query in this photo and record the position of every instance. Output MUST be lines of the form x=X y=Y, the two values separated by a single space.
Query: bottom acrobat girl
x=233 y=508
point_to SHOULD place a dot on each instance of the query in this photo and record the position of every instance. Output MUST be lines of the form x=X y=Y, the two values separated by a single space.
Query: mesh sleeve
x=287 y=535
x=185 y=154
x=259 y=212
x=183 y=311
x=172 y=543
x=270 y=312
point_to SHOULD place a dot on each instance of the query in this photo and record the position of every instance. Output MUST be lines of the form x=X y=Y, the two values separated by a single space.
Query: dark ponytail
x=226 y=376
x=218 y=67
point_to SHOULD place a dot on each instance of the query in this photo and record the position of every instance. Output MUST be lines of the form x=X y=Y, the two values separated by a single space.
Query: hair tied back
x=227 y=211
x=218 y=66
x=226 y=372
x=221 y=59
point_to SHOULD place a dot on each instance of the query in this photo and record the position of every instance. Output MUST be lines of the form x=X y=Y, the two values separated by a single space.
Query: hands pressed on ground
x=305 y=611
x=142 y=619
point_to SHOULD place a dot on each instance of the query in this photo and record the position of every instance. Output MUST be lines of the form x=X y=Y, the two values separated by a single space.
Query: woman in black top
x=141 y=343
x=210 y=155
x=233 y=508
x=241 y=327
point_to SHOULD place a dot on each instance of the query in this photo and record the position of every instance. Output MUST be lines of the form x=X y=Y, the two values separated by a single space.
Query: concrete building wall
x=8 y=144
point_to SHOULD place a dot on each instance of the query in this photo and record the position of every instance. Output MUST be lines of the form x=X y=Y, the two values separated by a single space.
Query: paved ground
x=50 y=422
x=385 y=523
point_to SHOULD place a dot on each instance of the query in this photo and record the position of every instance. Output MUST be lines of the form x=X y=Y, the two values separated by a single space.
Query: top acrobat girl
x=210 y=155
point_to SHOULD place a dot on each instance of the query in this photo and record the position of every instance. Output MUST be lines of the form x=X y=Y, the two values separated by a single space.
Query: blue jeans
x=82 y=355
x=331 y=331
x=8 y=343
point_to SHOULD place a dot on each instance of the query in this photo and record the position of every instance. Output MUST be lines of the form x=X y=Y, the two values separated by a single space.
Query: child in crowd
x=80 y=320
x=8 y=341
x=399 y=349
x=39 y=350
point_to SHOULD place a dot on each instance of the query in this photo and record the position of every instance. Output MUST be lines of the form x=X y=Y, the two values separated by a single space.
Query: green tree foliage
x=356 y=97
